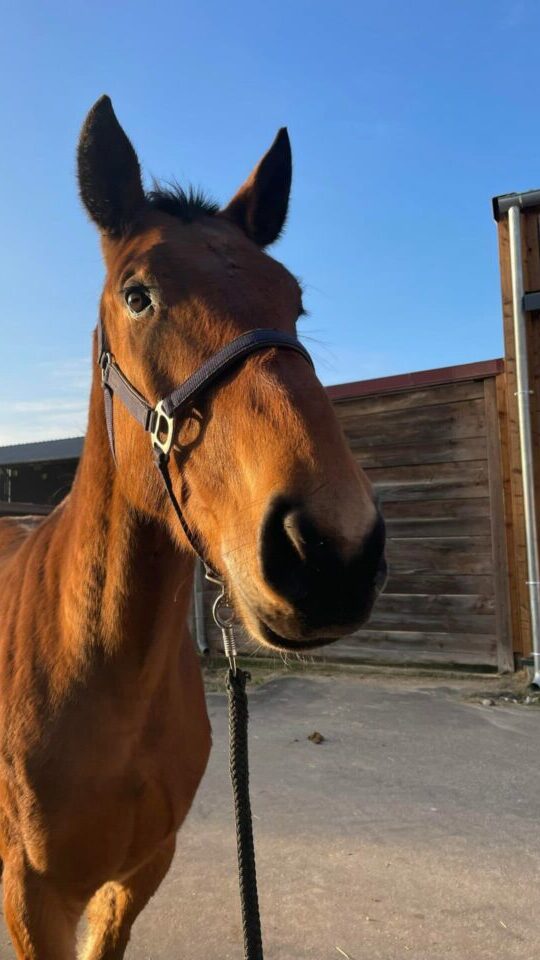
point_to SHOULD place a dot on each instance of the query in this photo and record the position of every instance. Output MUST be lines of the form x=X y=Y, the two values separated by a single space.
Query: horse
x=104 y=734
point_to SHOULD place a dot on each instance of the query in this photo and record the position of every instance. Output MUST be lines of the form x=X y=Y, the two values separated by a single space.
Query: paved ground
x=412 y=831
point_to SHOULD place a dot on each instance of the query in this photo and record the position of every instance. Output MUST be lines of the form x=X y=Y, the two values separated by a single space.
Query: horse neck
x=124 y=582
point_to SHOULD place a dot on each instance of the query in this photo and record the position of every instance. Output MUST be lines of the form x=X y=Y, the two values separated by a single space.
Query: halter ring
x=163 y=427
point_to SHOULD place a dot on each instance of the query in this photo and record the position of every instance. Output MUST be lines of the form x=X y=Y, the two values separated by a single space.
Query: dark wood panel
x=442 y=509
x=477 y=605
x=440 y=451
x=415 y=647
x=499 y=545
x=439 y=481
x=405 y=620
x=422 y=639
x=417 y=426
x=417 y=528
x=412 y=399
x=445 y=481
x=514 y=584
x=462 y=584
x=451 y=555
x=430 y=490
x=476 y=470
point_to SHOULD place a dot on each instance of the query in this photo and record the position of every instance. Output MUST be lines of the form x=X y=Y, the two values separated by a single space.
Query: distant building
x=34 y=477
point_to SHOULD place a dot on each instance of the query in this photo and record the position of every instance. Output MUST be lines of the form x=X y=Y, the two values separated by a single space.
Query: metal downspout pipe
x=523 y=394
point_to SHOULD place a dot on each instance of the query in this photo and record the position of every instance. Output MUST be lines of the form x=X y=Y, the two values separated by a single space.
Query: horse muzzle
x=314 y=591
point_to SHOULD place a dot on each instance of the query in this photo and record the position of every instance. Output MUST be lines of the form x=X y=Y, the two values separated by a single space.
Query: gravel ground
x=411 y=830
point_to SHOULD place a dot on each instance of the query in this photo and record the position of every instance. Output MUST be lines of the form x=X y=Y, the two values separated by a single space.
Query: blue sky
x=405 y=119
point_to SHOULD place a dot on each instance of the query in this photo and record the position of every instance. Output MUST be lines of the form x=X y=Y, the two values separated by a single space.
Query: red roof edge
x=411 y=381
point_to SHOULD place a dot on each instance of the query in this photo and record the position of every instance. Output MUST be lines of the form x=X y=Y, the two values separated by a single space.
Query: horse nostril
x=303 y=535
x=291 y=548
x=291 y=525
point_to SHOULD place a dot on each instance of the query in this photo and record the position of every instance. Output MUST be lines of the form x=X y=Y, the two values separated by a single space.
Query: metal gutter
x=502 y=204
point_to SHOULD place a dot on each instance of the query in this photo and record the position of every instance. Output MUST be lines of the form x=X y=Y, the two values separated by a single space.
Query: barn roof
x=69 y=448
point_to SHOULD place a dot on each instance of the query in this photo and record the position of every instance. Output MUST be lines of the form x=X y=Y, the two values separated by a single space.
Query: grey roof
x=42 y=451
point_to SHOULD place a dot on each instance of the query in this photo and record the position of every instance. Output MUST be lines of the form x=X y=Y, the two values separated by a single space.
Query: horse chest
x=111 y=781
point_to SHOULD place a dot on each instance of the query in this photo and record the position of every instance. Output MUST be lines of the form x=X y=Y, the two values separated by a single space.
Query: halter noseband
x=159 y=421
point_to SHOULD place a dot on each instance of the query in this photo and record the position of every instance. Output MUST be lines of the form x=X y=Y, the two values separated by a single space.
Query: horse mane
x=188 y=205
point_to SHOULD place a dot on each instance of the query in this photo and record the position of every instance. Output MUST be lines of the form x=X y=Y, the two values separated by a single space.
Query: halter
x=160 y=422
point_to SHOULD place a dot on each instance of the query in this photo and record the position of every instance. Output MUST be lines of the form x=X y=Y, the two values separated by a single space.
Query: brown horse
x=104 y=735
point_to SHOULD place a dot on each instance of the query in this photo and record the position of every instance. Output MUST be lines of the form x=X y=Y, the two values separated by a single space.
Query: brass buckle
x=105 y=361
x=163 y=425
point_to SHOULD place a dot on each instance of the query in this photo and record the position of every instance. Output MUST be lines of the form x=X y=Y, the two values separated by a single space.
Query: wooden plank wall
x=434 y=457
x=508 y=410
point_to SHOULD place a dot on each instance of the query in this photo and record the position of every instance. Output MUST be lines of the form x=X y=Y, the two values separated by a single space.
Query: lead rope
x=239 y=772
x=224 y=617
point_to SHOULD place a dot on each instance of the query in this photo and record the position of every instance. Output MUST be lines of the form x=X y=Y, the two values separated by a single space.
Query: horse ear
x=260 y=206
x=109 y=174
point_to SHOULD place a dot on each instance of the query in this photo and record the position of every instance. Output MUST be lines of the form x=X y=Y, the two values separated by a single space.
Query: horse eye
x=137 y=299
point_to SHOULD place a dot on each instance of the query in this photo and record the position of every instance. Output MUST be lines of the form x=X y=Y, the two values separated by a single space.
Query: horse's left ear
x=260 y=206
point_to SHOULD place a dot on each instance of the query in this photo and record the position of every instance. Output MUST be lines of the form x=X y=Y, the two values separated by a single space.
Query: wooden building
x=34 y=477
x=431 y=445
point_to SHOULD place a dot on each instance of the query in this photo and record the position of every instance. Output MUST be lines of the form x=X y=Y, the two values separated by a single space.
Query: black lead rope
x=239 y=770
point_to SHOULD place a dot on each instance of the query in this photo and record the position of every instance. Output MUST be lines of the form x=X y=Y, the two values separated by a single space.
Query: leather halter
x=160 y=421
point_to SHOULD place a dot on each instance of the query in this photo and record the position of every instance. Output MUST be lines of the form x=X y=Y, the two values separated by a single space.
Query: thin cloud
x=50 y=406
x=69 y=374
x=60 y=411
x=49 y=424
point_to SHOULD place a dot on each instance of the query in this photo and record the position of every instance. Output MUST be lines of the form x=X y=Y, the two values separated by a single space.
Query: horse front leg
x=41 y=921
x=115 y=907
